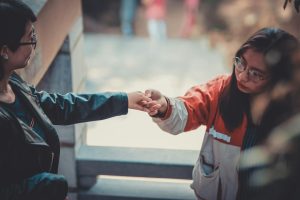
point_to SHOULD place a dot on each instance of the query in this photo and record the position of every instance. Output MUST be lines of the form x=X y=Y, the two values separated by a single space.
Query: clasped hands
x=151 y=101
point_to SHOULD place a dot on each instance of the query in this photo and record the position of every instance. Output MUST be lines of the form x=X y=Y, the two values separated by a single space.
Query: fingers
x=154 y=109
x=151 y=109
x=135 y=98
x=148 y=93
x=156 y=103
x=153 y=94
x=151 y=106
x=144 y=97
x=142 y=108
x=153 y=113
x=144 y=101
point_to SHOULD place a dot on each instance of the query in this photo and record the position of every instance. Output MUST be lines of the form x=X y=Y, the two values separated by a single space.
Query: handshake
x=152 y=102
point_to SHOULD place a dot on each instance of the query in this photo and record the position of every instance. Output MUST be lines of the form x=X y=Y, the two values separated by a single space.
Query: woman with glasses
x=225 y=106
x=29 y=144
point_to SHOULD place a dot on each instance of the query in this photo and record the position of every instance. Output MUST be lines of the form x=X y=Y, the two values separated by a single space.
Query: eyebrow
x=255 y=68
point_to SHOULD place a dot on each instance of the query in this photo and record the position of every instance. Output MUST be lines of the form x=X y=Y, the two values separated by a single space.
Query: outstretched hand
x=157 y=98
x=142 y=102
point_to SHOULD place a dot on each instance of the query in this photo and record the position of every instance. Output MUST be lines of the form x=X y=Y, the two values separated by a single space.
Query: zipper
x=32 y=123
x=51 y=163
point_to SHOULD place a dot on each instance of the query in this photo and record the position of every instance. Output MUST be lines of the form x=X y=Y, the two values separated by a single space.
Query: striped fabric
x=250 y=139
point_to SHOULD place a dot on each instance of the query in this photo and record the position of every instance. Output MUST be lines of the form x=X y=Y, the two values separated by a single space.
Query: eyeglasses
x=253 y=74
x=33 y=40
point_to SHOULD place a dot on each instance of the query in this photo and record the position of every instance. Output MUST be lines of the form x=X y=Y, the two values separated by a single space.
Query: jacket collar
x=30 y=100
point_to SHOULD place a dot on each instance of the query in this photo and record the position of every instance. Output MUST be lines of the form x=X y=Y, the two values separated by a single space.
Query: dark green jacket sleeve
x=75 y=108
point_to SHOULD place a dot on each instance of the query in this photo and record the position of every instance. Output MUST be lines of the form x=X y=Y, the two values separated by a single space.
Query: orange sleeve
x=201 y=102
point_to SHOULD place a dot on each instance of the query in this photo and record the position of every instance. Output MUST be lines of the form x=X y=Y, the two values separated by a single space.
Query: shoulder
x=20 y=84
x=217 y=85
x=208 y=92
x=222 y=81
x=214 y=86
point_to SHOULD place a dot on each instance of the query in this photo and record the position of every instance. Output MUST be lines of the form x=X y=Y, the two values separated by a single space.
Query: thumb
x=148 y=93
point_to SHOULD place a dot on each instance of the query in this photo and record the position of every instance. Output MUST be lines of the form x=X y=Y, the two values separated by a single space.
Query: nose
x=243 y=76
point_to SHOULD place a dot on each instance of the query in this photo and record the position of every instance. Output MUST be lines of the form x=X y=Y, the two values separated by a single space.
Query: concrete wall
x=66 y=74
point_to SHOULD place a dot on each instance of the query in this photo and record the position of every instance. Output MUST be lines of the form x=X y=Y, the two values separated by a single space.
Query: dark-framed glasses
x=253 y=74
x=33 y=40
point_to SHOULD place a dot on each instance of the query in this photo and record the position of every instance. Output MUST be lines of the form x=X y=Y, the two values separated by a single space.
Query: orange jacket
x=218 y=159
x=201 y=103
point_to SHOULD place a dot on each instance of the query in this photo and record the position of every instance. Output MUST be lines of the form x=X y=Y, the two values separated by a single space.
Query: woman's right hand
x=155 y=95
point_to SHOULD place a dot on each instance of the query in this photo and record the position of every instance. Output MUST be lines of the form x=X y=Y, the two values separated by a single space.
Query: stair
x=134 y=173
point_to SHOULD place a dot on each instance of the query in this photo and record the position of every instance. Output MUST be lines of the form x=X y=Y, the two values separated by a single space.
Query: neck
x=4 y=83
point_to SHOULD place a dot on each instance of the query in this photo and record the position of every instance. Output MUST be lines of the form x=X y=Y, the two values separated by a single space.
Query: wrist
x=164 y=105
x=163 y=110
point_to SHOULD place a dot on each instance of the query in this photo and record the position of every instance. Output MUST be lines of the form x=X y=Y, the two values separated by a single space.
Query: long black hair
x=14 y=15
x=276 y=45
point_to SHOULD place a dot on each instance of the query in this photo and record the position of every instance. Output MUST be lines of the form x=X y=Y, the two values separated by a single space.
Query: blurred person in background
x=29 y=145
x=191 y=8
x=155 y=14
x=226 y=107
x=127 y=15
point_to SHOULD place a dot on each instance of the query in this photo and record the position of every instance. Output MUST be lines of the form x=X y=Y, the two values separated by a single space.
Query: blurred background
x=169 y=45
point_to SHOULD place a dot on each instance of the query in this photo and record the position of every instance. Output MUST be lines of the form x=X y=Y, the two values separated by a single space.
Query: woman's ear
x=4 y=52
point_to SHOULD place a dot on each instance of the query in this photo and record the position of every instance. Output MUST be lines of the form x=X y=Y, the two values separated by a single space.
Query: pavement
x=115 y=63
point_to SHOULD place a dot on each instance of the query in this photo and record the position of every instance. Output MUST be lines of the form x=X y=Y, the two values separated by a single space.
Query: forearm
x=74 y=108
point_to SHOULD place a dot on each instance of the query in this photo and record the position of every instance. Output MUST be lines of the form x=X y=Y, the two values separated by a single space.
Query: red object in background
x=155 y=9
x=190 y=18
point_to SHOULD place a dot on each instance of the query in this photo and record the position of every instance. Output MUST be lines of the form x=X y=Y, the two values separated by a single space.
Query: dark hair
x=14 y=15
x=276 y=45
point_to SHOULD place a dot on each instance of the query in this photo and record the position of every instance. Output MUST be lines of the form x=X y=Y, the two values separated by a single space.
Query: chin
x=22 y=66
x=243 y=89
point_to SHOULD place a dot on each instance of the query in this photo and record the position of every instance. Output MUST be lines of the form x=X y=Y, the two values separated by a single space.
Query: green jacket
x=23 y=153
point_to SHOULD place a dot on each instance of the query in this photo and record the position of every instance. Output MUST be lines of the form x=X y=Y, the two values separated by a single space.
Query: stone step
x=135 y=162
x=141 y=189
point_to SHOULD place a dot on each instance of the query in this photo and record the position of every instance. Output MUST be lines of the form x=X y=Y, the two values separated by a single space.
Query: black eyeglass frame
x=238 y=60
x=33 y=40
